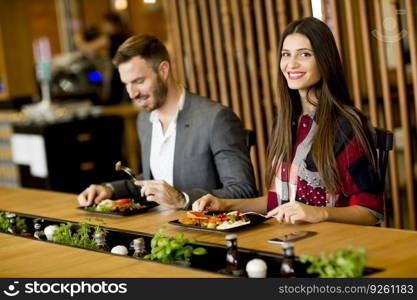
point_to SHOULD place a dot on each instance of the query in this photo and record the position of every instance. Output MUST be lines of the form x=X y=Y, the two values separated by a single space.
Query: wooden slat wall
x=227 y=50
x=405 y=122
x=389 y=119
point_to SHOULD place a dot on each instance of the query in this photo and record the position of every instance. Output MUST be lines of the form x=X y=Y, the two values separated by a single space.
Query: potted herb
x=20 y=223
x=342 y=263
x=81 y=238
x=4 y=224
x=173 y=250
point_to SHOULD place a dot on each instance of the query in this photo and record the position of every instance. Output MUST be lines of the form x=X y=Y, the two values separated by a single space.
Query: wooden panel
x=370 y=83
x=307 y=10
x=92 y=11
x=253 y=72
x=230 y=57
x=43 y=22
x=334 y=18
x=241 y=57
x=146 y=18
x=282 y=15
x=402 y=95
x=295 y=9
x=264 y=67
x=197 y=48
x=16 y=72
x=178 y=59
x=208 y=50
x=412 y=33
x=352 y=53
x=219 y=53
x=188 y=56
x=388 y=112
x=324 y=11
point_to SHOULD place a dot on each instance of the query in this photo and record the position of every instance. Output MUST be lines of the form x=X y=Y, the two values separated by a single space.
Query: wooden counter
x=393 y=250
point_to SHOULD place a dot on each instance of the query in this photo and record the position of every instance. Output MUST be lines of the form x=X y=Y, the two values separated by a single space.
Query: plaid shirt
x=301 y=181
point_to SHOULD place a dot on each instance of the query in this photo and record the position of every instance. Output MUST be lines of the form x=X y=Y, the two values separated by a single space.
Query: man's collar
x=153 y=117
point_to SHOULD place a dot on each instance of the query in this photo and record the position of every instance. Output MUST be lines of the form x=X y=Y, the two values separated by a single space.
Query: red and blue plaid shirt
x=301 y=181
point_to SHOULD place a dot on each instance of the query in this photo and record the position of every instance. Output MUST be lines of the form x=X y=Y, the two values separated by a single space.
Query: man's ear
x=164 y=69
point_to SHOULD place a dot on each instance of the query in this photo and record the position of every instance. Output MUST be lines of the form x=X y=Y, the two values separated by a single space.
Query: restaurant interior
x=64 y=122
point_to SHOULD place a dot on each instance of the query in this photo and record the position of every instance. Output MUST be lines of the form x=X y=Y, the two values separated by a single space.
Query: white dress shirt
x=163 y=146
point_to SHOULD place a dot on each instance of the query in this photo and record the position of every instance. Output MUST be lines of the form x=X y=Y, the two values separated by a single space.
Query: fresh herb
x=4 y=223
x=91 y=207
x=342 y=263
x=20 y=223
x=80 y=238
x=172 y=249
x=63 y=234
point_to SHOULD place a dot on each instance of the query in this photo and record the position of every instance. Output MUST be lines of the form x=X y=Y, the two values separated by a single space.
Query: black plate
x=254 y=220
x=149 y=205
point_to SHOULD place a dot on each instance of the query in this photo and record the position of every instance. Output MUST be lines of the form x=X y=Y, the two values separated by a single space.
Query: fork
x=252 y=213
x=118 y=166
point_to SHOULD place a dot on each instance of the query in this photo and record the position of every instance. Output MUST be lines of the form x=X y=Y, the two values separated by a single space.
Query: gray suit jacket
x=211 y=155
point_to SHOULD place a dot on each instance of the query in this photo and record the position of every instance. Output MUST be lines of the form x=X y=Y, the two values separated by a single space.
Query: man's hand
x=94 y=194
x=208 y=203
x=162 y=193
x=295 y=212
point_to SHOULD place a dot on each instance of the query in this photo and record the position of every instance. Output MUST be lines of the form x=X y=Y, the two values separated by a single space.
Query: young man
x=190 y=145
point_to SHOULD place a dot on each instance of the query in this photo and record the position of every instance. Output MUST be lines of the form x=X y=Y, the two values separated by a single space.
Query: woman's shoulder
x=351 y=114
x=345 y=131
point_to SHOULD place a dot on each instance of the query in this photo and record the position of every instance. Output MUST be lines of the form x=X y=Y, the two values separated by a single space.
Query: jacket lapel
x=183 y=125
x=145 y=140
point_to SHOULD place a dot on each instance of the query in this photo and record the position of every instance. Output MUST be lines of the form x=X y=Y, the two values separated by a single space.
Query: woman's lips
x=295 y=75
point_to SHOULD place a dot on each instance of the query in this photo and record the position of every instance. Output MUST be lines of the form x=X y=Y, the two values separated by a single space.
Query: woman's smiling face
x=298 y=63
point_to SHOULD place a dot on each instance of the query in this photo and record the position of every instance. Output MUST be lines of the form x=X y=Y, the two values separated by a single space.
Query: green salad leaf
x=20 y=223
x=4 y=223
x=82 y=237
x=342 y=263
x=172 y=249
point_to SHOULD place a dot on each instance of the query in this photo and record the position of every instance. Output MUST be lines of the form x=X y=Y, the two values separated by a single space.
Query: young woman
x=321 y=164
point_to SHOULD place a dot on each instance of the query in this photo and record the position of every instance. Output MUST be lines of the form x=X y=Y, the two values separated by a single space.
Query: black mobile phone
x=292 y=237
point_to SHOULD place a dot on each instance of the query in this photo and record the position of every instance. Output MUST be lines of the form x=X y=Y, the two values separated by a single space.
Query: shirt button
x=304 y=125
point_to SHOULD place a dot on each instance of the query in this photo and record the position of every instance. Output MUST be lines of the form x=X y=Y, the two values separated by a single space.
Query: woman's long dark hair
x=334 y=101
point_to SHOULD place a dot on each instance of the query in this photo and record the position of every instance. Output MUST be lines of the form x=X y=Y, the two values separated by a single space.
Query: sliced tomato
x=198 y=213
x=223 y=218
x=121 y=201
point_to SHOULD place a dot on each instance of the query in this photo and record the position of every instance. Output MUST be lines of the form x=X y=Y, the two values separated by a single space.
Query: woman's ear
x=164 y=69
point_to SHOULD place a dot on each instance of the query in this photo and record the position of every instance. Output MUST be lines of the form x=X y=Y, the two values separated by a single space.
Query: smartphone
x=292 y=237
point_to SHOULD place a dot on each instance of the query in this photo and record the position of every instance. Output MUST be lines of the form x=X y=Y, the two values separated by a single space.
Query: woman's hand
x=296 y=212
x=209 y=203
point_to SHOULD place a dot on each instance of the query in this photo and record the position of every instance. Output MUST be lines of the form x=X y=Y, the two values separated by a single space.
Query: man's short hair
x=148 y=47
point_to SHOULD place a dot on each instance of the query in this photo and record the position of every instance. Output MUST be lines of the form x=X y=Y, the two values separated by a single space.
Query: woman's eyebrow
x=301 y=49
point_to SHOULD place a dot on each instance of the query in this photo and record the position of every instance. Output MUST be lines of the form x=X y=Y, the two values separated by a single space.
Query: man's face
x=143 y=84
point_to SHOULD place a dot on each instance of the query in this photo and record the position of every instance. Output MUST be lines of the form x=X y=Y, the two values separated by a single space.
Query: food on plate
x=219 y=221
x=104 y=205
x=121 y=205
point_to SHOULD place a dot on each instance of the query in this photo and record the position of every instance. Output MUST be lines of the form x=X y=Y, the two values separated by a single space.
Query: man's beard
x=159 y=94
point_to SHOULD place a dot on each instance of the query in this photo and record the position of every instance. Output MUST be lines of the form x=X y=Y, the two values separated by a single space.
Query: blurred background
x=65 y=120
